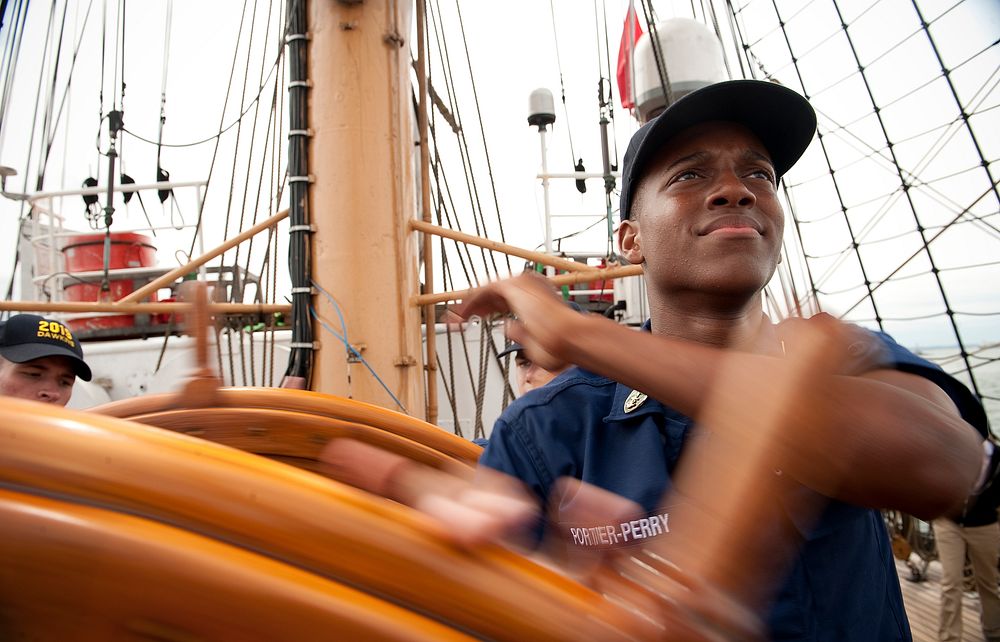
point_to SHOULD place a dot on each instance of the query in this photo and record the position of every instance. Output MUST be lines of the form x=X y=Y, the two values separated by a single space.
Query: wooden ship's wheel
x=294 y=425
x=114 y=530
x=282 y=424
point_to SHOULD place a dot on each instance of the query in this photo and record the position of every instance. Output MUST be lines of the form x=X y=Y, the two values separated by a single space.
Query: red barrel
x=85 y=253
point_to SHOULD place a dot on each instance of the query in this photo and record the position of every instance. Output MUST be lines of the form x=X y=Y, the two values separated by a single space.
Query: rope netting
x=895 y=206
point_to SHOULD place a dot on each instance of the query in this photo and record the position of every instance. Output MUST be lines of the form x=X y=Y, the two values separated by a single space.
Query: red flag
x=631 y=33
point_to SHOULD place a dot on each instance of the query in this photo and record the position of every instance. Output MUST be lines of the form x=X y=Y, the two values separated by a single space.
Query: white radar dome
x=693 y=58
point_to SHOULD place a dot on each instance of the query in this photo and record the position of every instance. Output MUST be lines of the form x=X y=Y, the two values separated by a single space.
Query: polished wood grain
x=270 y=432
x=290 y=516
x=75 y=572
x=310 y=403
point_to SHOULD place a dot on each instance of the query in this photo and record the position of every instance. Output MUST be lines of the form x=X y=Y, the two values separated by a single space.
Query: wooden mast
x=362 y=197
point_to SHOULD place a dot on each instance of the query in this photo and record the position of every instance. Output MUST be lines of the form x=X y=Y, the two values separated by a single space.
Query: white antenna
x=541 y=114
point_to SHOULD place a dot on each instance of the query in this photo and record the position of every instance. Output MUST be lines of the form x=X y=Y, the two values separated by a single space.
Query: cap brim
x=514 y=347
x=782 y=119
x=28 y=351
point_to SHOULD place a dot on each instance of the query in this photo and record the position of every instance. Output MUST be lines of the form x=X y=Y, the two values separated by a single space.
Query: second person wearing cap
x=40 y=359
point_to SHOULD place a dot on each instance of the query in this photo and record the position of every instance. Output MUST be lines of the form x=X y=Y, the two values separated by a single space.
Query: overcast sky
x=512 y=50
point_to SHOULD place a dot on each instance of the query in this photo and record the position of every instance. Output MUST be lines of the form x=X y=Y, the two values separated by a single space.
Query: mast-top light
x=541 y=109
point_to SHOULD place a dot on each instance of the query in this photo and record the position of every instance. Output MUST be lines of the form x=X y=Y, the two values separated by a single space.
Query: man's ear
x=629 y=241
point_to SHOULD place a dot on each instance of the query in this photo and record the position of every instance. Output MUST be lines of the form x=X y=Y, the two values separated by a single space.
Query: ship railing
x=48 y=233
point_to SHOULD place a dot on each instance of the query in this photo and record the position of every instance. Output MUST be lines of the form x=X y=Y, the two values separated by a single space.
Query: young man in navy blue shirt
x=700 y=212
x=880 y=427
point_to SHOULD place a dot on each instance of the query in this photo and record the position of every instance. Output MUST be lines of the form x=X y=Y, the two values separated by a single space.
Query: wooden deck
x=923 y=604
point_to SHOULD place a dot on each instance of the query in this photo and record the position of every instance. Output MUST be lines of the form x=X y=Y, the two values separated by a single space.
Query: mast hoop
x=309 y=229
x=292 y=84
x=302 y=179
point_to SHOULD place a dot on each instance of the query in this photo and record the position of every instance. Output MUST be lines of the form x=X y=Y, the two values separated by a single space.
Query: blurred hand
x=543 y=319
x=471 y=507
x=486 y=507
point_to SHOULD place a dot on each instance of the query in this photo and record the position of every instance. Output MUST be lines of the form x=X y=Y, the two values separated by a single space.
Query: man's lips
x=733 y=224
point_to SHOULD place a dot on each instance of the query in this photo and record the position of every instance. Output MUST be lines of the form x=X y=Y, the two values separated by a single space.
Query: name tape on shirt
x=615 y=535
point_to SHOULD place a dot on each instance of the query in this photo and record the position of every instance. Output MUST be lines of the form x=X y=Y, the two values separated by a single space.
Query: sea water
x=985 y=362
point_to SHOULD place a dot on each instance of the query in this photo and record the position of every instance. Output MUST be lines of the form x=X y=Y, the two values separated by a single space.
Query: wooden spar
x=538 y=257
x=430 y=320
x=141 y=308
x=558 y=280
x=194 y=264
x=362 y=156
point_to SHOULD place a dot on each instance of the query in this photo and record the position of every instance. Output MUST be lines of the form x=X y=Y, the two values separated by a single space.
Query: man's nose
x=730 y=191
x=50 y=394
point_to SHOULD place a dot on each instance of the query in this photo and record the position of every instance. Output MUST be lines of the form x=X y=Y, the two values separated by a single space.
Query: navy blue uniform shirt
x=842 y=584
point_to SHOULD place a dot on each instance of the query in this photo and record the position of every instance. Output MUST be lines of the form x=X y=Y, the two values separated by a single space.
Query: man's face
x=47 y=379
x=706 y=217
x=531 y=376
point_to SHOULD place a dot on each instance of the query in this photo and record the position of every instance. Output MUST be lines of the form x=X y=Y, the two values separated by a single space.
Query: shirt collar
x=649 y=406
x=767 y=343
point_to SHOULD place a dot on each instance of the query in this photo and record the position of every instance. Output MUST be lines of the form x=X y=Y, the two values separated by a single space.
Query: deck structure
x=923 y=604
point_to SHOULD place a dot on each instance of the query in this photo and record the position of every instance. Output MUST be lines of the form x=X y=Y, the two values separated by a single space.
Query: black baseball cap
x=517 y=347
x=782 y=119
x=24 y=337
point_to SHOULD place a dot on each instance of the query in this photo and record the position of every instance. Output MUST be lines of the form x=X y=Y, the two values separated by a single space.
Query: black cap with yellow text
x=25 y=337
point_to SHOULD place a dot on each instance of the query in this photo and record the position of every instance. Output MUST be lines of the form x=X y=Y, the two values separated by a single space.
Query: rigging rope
x=661 y=66
x=449 y=386
x=562 y=84
x=907 y=194
x=829 y=164
x=161 y=174
x=482 y=132
x=222 y=129
x=439 y=194
x=47 y=132
x=260 y=180
x=121 y=103
x=239 y=140
x=449 y=87
x=11 y=55
x=939 y=190
x=464 y=155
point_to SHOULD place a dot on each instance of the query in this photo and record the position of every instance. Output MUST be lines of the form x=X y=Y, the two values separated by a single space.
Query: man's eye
x=764 y=174
x=686 y=175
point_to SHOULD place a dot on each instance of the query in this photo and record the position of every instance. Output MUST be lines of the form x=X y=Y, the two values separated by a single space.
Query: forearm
x=676 y=372
x=875 y=444
x=859 y=440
